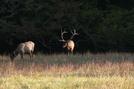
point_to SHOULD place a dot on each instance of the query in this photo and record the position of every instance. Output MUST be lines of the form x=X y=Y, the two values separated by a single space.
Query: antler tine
x=63 y=31
x=74 y=33
x=62 y=35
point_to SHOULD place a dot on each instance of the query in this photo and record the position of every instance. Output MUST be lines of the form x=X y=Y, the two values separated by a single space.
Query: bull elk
x=68 y=44
x=22 y=48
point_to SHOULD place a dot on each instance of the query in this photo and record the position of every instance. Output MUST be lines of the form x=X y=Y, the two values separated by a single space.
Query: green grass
x=68 y=82
x=59 y=71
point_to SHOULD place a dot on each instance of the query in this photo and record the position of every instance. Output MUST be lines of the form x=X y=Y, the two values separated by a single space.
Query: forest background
x=103 y=25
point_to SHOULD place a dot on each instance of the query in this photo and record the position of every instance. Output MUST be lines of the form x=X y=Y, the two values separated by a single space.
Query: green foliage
x=104 y=24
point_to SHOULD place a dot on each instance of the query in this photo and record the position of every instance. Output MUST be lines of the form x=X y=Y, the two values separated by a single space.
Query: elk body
x=22 y=48
x=68 y=44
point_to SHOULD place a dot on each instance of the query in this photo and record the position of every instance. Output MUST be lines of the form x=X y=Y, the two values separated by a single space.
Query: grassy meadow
x=59 y=71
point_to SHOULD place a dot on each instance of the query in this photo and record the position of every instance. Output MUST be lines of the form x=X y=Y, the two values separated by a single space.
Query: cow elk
x=68 y=44
x=22 y=48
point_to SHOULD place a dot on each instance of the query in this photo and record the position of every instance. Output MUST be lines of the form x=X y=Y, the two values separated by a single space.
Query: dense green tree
x=103 y=25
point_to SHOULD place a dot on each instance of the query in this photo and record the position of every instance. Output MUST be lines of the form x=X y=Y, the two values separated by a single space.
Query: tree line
x=103 y=25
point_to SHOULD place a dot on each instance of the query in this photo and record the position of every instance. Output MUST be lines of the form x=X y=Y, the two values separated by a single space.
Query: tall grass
x=59 y=71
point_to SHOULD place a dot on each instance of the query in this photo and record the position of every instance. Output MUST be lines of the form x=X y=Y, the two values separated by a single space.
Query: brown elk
x=68 y=44
x=22 y=48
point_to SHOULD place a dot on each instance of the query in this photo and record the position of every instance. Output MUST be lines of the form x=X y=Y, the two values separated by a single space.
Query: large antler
x=62 y=33
x=73 y=34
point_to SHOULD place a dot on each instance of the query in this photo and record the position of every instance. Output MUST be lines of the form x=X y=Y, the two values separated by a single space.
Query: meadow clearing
x=59 y=71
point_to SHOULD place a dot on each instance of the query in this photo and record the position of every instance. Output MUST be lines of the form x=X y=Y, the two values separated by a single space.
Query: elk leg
x=68 y=53
x=68 y=49
x=11 y=60
x=72 y=52
x=31 y=55
x=22 y=56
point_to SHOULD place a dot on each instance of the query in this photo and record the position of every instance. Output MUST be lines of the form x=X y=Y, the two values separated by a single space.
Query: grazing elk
x=22 y=48
x=68 y=44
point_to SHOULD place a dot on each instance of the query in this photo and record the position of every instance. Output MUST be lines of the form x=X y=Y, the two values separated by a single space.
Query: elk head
x=13 y=55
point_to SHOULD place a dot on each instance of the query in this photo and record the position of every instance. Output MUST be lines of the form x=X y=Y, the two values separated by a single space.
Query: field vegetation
x=59 y=71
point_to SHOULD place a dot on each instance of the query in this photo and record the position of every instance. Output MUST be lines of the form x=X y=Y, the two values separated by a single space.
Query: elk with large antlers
x=68 y=44
x=27 y=47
